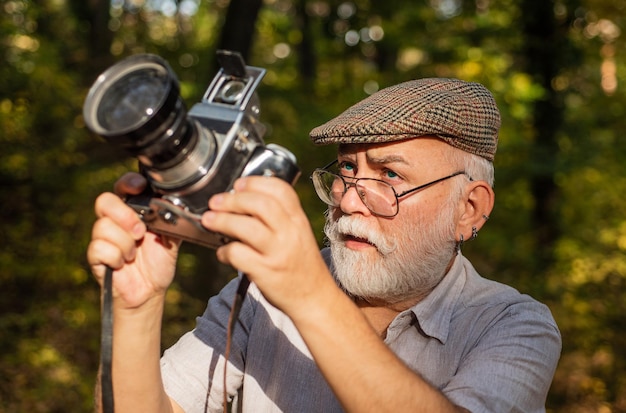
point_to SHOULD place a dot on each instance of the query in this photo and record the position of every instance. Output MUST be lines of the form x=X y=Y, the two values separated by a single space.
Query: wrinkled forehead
x=417 y=147
x=352 y=148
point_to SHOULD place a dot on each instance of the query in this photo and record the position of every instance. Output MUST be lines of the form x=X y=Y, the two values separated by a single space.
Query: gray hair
x=476 y=167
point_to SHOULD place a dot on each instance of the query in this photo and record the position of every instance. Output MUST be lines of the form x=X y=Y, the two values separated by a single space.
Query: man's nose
x=351 y=202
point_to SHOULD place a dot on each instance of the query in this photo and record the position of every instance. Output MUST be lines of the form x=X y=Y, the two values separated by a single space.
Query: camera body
x=186 y=158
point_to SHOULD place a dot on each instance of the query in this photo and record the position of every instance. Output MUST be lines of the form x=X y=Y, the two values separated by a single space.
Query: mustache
x=338 y=230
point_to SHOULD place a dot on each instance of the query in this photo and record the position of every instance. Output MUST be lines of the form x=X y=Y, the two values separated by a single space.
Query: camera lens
x=128 y=103
x=136 y=104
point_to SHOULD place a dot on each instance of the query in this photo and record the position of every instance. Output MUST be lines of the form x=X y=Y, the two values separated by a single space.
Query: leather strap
x=106 y=344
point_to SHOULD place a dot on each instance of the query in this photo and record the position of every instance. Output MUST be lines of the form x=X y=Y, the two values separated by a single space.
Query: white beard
x=404 y=265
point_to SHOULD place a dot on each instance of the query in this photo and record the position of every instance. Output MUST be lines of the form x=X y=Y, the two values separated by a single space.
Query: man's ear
x=476 y=205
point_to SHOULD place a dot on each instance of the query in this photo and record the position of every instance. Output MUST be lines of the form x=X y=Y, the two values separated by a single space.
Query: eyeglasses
x=378 y=196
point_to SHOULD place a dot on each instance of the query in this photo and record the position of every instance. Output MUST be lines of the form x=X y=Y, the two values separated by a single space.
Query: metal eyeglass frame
x=354 y=181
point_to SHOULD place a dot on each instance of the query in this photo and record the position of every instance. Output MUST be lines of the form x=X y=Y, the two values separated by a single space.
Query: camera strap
x=106 y=339
x=106 y=343
x=244 y=283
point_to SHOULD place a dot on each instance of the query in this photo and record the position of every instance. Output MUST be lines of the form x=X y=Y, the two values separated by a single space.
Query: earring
x=485 y=217
x=474 y=233
x=459 y=244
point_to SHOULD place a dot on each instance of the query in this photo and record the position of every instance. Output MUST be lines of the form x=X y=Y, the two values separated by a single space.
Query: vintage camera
x=136 y=105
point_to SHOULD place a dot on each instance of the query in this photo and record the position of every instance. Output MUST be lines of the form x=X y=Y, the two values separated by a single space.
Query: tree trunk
x=544 y=55
x=96 y=13
x=238 y=29
x=306 y=49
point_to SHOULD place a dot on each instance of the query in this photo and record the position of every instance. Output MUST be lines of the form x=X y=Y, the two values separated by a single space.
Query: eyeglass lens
x=377 y=196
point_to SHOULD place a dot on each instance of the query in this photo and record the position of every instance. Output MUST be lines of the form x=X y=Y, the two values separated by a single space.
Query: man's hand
x=144 y=262
x=275 y=245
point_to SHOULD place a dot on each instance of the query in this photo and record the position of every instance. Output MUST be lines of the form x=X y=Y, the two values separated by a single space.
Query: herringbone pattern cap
x=463 y=114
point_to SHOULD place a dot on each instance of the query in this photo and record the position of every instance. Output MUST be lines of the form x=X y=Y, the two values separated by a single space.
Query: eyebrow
x=380 y=160
x=386 y=159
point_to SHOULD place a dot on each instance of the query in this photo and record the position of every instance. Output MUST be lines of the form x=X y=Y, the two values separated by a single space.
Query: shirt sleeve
x=193 y=368
x=511 y=364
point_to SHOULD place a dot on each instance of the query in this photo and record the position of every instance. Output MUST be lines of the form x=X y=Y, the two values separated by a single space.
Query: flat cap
x=463 y=114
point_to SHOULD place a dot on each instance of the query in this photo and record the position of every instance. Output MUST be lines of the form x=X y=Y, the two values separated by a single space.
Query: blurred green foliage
x=557 y=69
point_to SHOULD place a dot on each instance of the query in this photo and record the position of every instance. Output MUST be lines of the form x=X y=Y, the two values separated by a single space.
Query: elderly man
x=391 y=317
